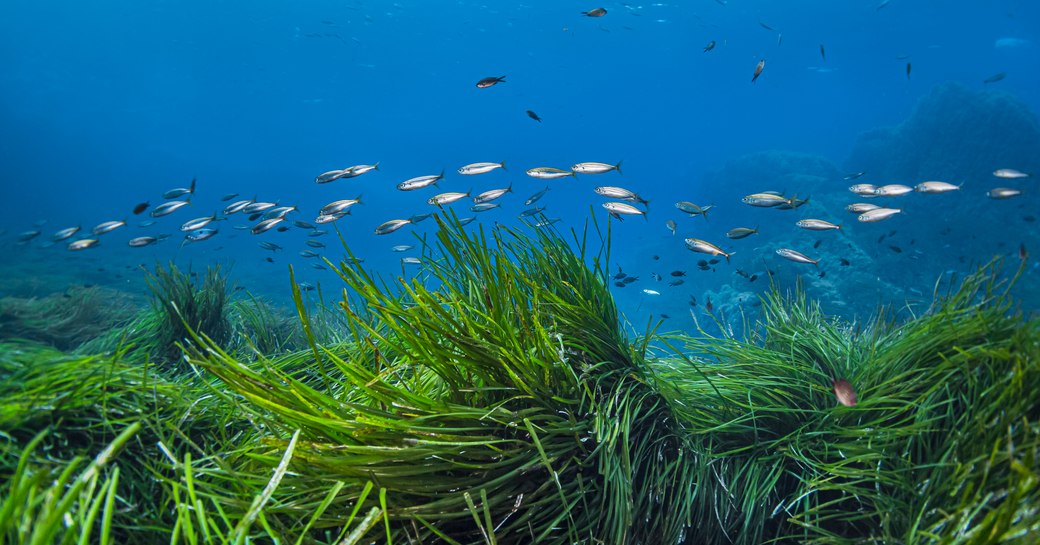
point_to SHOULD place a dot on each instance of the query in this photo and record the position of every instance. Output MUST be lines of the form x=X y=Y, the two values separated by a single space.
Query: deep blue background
x=106 y=104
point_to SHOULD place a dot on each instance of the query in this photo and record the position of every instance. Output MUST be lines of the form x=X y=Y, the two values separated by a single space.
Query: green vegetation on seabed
x=497 y=400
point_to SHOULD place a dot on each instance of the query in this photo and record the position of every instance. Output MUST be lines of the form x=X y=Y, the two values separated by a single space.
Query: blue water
x=105 y=105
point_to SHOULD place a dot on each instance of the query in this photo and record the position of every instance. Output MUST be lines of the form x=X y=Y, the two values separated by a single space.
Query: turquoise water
x=108 y=106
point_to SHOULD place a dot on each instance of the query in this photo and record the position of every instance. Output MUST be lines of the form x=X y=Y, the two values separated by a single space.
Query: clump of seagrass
x=65 y=320
x=187 y=306
x=266 y=330
x=499 y=401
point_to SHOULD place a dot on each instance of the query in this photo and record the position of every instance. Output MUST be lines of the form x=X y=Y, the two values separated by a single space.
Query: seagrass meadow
x=499 y=398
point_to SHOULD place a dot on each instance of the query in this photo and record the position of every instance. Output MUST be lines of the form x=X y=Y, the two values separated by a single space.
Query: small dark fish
x=597 y=12
x=895 y=248
x=269 y=259
x=855 y=175
x=1029 y=219
x=817 y=244
x=758 y=70
x=713 y=260
x=303 y=224
x=255 y=216
x=620 y=284
x=708 y=306
x=702 y=263
x=656 y=257
x=228 y=197
x=488 y=82
x=823 y=53
x=822 y=274
x=995 y=78
x=1023 y=254
x=282 y=228
x=908 y=69
x=767 y=27
x=693 y=301
x=141 y=208
x=678 y=273
x=620 y=276
x=665 y=316
x=753 y=278
x=678 y=282
x=882 y=237
x=844 y=392
x=533 y=116
x=844 y=262
x=710 y=46
x=630 y=279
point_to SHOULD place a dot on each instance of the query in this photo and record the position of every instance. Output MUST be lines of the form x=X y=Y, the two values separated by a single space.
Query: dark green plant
x=65 y=320
x=187 y=305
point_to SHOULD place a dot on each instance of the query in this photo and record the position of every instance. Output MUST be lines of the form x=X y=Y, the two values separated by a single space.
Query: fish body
x=995 y=77
x=935 y=187
x=315 y=244
x=843 y=391
x=817 y=225
x=167 y=208
x=237 y=206
x=878 y=214
x=864 y=190
x=534 y=198
x=546 y=222
x=484 y=206
x=309 y=253
x=64 y=234
x=266 y=225
x=893 y=190
x=271 y=246
x=82 y=244
x=651 y=292
x=358 y=170
x=420 y=182
x=792 y=203
x=758 y=70
x=531 y=212
x=340 y=206
x=823 y=53
x=765 y=200
x=693 y=209
x=322 y=219
x=670 y=224
x=854 y=175
x=1003 y=193
x=179 y=192
x=549 y=173
x=141 y=242
x=228 y=197
x=705 y=247
x=795 y=256
x=490 y=81
x=107 y=227
x=617 y=209
x=447 y=198
x=710 y=46
x=278 y=212
x=411 y=261
x=402 y=248
x=741 y=232
x=480 y=168
x=255 y=207
x=620 y=193
x=200 y=234
x=908 y=69
x=388 y=227
x=597 y=12
x=466 y=221
x=592 y=167
x=533 y=116
x=419 y=217
x=198 y=223
x=1009 y=174
x=141 y=208
x=861 y=207
x=491 y=195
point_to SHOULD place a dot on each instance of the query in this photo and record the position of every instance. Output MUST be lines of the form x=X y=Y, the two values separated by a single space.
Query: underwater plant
x=67 y=319
x=188 y=305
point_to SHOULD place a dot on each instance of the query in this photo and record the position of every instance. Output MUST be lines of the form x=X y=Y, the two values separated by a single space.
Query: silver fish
x=107 y=227
x=705 y=247
x=531 y=212
x=315 y=244
x=228 y=197
x=765 y=200
x=167 y=208
x=322 y=219
x=199 y=235
x=861 y=207
x=237 y=206
x=593 y=167
x=402 y=248
x=549 y=173
x=411 y=261
x=878 y=214
x=140 y=242
x=309 y=253
x=792 y=203
x=546 y=222
x=419 y=217
x=254 y=207
x=82 y=244
x=617 y=209
x=358 y=170
x=302 y=224
x=480 y=168
x=795 y=256
x=64 y=234
x=670 y=224
x=420 y=182
x=740 y=232
x=491 y=195
x=388 y=227
x=935 y=187
x=28 y=235
x=651 y=292
x=332 y=175
x=893 y=190
x=270 y=246
x=816 y=225
x=447 y=198
x=1003 y=193
x=178 y=192
x=198 y=223
x=266 y=225
x=278 y=212
x=863 y=190
x=620 y=193
x=1009 y=173
x=337 y=207
x=484 y=206
x=466 y=221
x=693 y=209
x=534 y=198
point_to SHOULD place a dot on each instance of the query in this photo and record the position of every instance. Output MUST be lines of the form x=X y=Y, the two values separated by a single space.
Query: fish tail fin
x=617 y=167
x=573 y=173
x=503 y=166
x=358 y=198
x=501 y=79
x=192 y=188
